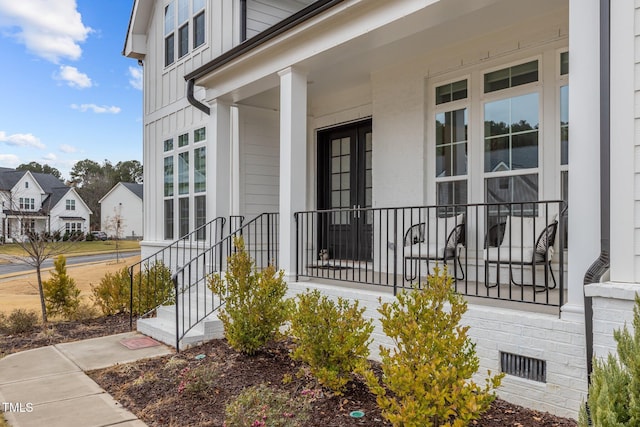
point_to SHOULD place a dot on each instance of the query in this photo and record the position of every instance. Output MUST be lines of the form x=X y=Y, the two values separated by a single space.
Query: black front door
x=345 y=182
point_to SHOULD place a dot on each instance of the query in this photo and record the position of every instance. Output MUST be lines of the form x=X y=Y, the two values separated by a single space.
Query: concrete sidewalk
x=48 y=387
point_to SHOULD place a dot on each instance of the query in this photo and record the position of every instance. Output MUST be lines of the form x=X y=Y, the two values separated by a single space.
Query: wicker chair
x=438 y=239
x=520 y=241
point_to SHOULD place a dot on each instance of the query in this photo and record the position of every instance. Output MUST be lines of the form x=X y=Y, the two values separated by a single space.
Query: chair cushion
x=504 y=255
x=439 y=229
x=424 y=251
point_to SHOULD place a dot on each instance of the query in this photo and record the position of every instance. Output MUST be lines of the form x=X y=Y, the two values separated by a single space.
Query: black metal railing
x=194 y=300
x=504 y=251
x=148 y=277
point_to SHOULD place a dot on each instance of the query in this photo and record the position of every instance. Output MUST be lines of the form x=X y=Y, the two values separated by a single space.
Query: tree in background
x=38 y=168
x=93 y=180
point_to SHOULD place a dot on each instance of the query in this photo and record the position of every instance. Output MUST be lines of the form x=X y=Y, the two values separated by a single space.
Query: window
x=199 y=135
x=198 y=30
x=183 y=214
x=183 y=140
x=179 y=17
x=511 y=77
x=183 y=40
x=168 y=176
x=71 y=205
x=511 y=133
x=168 y=219
x=200 y=170
x=168 y=144
x=201 y=216
x=27 y=226
x=26 y=184
x=183 y=173
x=27 y=204
x=564 y=140
x=451 y=128
x=169 y=40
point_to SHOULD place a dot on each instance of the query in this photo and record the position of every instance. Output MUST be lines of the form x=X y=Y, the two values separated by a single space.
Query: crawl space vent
x=523 y=367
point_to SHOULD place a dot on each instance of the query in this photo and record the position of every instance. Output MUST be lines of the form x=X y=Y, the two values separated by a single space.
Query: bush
x=254 y=301
x=332 y=338
x=18 y=321
x=427 y=377
x=112 y=295
x=152 y=287
x=61 y=295
x=261 y=406
x=614 y=392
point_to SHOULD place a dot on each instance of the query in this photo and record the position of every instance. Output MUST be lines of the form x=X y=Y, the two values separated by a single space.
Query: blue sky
x=66 y=92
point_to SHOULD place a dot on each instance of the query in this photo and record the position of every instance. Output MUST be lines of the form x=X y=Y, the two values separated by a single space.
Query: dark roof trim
x=281 y=27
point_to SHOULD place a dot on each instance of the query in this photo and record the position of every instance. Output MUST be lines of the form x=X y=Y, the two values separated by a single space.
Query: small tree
x=38 y=246
x=427 y=376
x=115 y=225
x=61 y=294
x=254 y=301
x=614 y=392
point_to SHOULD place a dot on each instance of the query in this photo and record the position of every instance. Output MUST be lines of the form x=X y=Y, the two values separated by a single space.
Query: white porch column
x=293 y=160
x=584 y=149
x=218 y=161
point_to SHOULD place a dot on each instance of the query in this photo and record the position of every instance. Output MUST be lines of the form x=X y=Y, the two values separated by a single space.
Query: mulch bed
x=154 y=389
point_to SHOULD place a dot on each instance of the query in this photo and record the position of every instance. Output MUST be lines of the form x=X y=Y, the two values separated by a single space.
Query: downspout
x=601 y=265
x=193 y=101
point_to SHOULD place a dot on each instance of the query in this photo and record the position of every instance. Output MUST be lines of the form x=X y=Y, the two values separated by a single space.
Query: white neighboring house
x=367 y=106
x=123 y=202
x=41 y=203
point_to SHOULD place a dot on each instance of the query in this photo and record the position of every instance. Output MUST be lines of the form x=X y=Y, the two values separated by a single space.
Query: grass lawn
x=95 y=246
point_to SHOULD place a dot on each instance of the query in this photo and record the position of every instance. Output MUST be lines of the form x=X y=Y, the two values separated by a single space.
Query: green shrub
x=18 y=321
x=199 y=380
x=332 y=338
x=614 y=392
x=112 y=295
x=254 y=305
x=152 y=287
x=261 y=406
x=427 y=377
x=61 y=295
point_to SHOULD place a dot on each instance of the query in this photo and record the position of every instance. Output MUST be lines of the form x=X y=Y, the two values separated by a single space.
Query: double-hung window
x=511 y=134
x=71 y=205
x=184 y=28
x=451 y=128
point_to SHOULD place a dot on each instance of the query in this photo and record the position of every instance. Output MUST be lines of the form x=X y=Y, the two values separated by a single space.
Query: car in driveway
x=99 y=235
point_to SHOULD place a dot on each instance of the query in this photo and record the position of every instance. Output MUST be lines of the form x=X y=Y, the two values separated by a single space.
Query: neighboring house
x=122 y=203
x=39 y=202
x=369 y=107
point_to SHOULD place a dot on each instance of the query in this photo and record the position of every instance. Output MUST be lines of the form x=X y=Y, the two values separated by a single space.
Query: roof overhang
x=135 y=45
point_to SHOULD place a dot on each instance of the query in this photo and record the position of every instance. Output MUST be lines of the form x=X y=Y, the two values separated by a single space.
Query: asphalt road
x=15 y=267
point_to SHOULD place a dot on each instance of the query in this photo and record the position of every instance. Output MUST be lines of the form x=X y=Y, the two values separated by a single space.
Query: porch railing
x=504 y=251
x=148 y=276
x=194 y=300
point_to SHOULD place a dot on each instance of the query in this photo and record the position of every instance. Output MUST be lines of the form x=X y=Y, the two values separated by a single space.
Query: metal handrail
x=169 y=256
x=190 y=280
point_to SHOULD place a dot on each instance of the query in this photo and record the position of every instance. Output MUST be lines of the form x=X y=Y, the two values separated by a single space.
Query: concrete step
x=164 y=329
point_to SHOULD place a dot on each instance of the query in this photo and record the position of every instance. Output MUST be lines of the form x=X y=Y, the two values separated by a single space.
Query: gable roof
x=136 y=189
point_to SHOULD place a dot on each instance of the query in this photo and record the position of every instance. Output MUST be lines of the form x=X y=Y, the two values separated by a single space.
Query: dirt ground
x=22 y=291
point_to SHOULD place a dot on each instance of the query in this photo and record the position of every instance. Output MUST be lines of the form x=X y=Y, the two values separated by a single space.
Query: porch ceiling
x=351 y=63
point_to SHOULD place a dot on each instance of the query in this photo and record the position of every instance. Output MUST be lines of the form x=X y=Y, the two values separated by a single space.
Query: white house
x=360 y=123
x=39 y=202
x=123 y=203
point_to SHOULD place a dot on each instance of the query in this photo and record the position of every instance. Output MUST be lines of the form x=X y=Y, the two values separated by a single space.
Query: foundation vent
x=523 y=367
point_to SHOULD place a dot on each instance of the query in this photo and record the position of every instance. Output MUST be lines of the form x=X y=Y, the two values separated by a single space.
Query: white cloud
x=66 y=148
x=50 y=29
x=135 y=77
x=73 y=77
x=50 y=157
x=98 y=109
x=9 y=160
x=21 y=140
